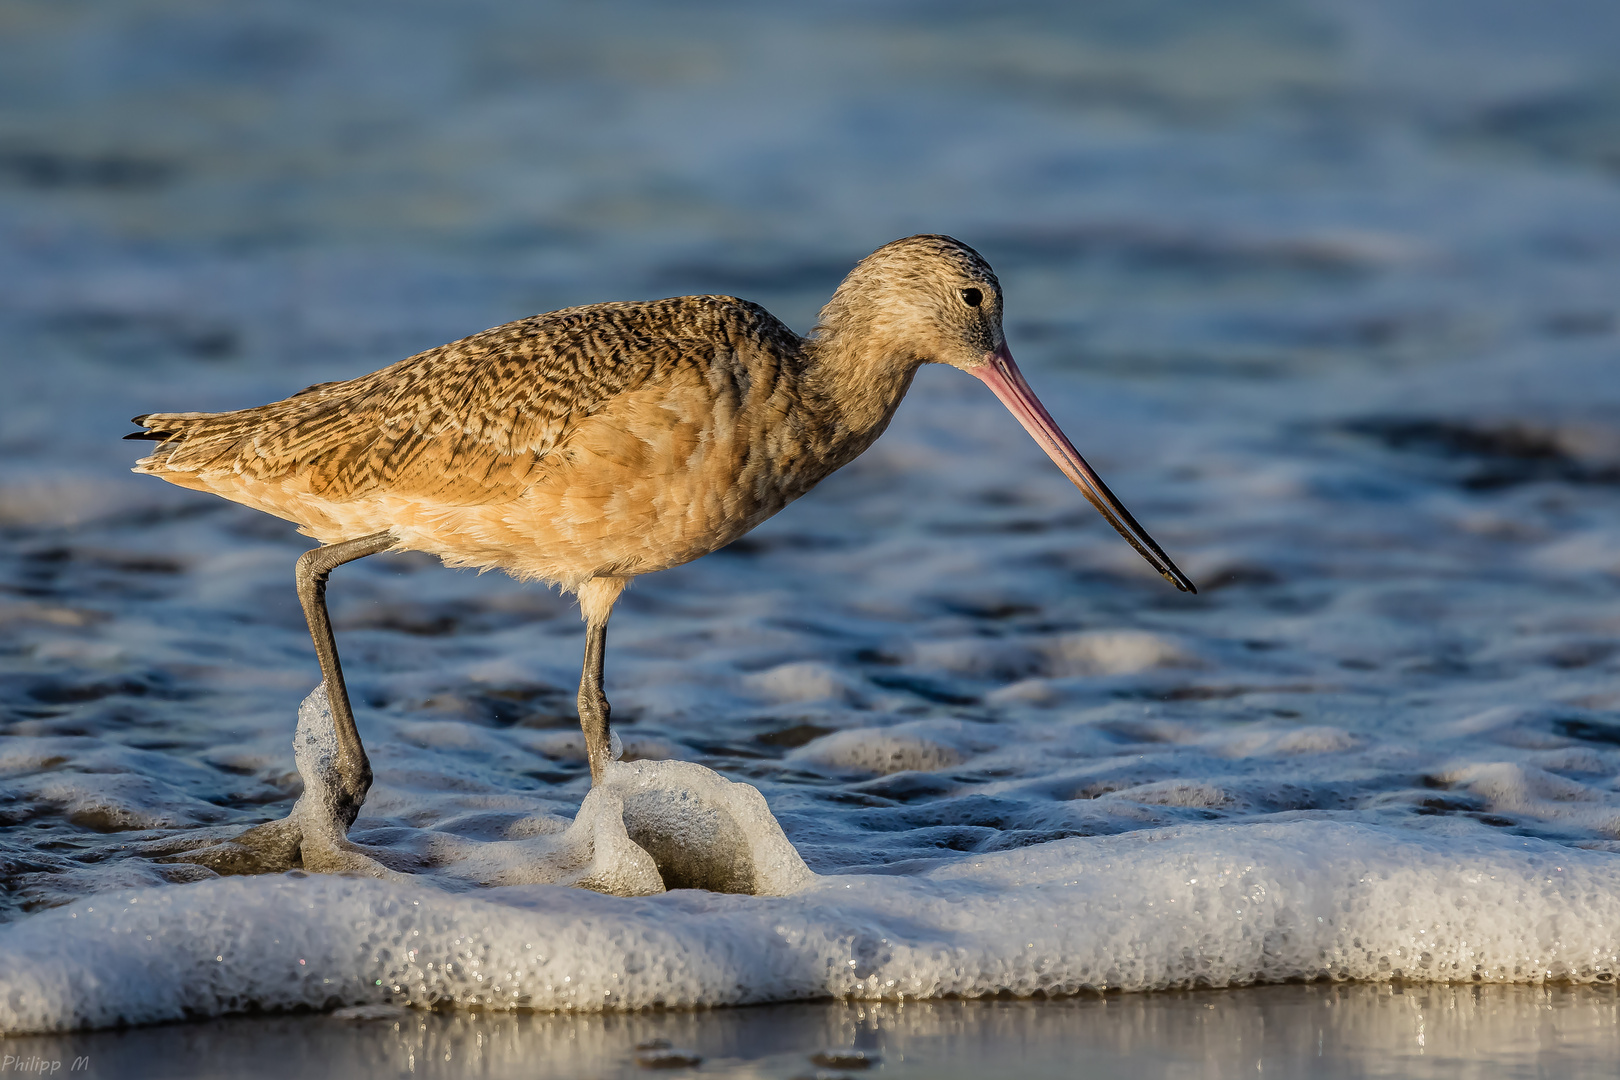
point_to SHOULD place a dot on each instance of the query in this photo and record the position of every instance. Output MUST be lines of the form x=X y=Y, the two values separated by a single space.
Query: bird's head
x=933 y=299
x=924 y=299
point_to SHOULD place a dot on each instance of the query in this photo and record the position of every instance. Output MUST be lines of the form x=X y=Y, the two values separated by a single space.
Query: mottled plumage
x=559 y=447
x=586 y=446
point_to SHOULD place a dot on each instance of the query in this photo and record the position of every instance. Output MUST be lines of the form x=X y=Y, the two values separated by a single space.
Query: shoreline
x=1324 y=1030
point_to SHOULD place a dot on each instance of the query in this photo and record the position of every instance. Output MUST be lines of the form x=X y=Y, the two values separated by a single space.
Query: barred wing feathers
x=467 y=423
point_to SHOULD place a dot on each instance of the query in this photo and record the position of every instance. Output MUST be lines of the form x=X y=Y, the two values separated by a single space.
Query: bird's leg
x=594 y=710
x=278 y=845
x=596 y=599
x=354 y=770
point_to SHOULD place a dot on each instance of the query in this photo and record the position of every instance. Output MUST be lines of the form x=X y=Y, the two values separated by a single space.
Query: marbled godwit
x=589 y=445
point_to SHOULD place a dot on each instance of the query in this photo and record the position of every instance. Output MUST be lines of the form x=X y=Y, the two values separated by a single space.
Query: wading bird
x=586 y=446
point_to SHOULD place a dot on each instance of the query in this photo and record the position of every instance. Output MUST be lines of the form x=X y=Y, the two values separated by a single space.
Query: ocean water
x=1326 y=291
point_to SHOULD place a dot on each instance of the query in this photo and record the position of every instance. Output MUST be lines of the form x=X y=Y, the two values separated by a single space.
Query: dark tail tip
x=153 y=436
x=139 y=419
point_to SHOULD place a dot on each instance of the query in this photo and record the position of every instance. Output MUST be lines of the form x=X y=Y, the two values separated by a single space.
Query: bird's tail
x=169 y=431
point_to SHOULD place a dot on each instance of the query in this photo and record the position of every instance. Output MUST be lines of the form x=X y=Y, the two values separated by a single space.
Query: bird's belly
x=620 y=497
x=631 y=523
x=623 y=526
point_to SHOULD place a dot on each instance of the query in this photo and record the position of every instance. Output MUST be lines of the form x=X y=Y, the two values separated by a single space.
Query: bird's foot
x=315 y=835
x=288 y=844
x=272 y=848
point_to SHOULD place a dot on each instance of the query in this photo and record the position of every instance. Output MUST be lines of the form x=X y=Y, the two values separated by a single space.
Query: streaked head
x=933 y=299
x=923 y=299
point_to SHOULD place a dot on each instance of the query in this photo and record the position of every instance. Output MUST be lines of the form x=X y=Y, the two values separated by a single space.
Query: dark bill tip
x=1005 y=380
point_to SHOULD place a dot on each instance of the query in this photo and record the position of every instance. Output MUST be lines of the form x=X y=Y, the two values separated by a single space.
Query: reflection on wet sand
x=1319 y=1030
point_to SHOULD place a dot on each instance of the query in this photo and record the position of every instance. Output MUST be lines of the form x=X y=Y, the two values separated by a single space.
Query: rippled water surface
x=1327 y=292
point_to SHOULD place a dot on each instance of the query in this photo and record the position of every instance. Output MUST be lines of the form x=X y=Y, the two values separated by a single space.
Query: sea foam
x=1212 y=905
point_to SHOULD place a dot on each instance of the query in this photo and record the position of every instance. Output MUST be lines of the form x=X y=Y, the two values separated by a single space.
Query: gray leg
x=277 y=845
x=596 y=599
x=594 y=711
x=354 y=770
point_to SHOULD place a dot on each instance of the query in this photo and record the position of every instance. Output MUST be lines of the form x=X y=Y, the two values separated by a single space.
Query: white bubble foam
x=922 y=745
x=801 y=682
x=1210 y=905
x=647 y=826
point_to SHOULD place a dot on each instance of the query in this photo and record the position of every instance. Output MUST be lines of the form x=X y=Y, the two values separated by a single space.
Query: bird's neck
x=856 y=381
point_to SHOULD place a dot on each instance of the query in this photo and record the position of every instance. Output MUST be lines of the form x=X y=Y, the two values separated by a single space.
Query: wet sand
x=1320 y=1031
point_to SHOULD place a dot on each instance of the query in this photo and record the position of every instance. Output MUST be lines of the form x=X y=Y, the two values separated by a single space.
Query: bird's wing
x=469 y=422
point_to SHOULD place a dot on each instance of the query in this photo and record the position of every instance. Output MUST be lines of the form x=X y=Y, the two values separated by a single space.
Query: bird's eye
x=972 y=296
